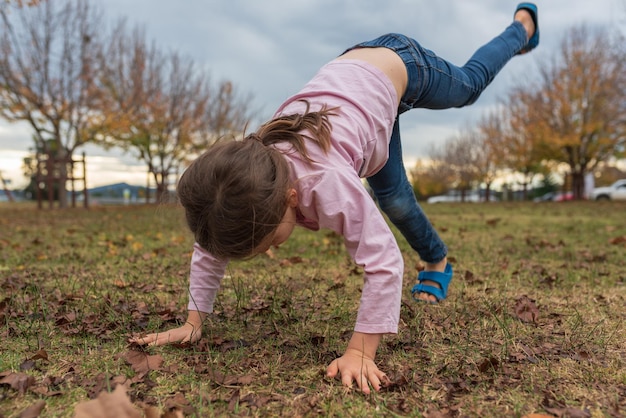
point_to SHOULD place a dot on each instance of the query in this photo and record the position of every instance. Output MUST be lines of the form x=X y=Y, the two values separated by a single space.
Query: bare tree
x=577 y=112
x=488 y=156
x=46 y=75
x=162 y=105
x=21 y=3
x=459 y=156
x=227 y=115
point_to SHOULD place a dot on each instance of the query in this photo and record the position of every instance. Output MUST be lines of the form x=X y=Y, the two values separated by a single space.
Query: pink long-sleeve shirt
x=330 y=190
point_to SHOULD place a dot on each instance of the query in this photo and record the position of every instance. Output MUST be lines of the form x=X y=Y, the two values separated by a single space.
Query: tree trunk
x=63 y=158
x=160 y=180
x=487 y=191
x=578 y=184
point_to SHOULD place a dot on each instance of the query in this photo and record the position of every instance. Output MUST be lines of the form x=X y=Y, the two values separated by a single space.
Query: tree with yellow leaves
x=576 y=113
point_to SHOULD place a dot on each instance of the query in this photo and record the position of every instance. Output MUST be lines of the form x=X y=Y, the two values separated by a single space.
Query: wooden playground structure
x=53 y=173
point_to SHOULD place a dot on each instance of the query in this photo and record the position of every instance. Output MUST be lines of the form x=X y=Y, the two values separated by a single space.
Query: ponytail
x=297 y=129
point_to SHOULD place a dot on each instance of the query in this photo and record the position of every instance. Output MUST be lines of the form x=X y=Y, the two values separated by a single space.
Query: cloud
x=15 y=137
x=271 y=48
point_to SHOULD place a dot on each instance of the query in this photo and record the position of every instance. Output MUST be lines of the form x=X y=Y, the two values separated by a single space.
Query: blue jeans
x=433 y=83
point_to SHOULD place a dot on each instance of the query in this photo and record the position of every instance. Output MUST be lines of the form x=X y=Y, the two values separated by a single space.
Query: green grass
x=76 y=284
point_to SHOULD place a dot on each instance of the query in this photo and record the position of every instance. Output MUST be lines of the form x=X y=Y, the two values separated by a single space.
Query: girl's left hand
x=354 y=365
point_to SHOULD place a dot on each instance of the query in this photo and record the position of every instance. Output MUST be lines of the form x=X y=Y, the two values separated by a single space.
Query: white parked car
x=455 y=196
x=616 y=191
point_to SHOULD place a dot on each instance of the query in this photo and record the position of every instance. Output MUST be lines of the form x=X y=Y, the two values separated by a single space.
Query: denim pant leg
x=396 y=198
x=434 y=84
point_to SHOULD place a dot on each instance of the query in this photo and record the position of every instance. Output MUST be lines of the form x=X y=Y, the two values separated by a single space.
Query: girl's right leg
x=435 y=83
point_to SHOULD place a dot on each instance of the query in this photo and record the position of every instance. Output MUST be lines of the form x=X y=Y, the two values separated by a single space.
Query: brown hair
x=235 y=193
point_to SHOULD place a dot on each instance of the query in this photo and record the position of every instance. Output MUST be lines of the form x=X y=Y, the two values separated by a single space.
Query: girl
x=304 y=167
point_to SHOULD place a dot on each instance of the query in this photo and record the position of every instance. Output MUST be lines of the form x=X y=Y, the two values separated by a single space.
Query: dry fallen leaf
x=108 y=405
x=34 y=410
x=569 y=412
x=176 y=406
x=18 y=381
x=489 y=365
x=40 y=355
x=234 y=401
x=171 y=414
x=141 y=362
x=618 y=240
x=526 y=310
x=493 y=222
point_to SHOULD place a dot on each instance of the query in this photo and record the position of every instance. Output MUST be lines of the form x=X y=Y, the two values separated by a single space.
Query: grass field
x=535 y=322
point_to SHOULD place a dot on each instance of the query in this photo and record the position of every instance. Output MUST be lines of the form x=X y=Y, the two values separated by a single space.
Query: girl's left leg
x=396 y=198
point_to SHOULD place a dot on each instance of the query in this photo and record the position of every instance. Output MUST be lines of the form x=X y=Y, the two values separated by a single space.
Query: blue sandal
x=534 y=13
x=443 y=279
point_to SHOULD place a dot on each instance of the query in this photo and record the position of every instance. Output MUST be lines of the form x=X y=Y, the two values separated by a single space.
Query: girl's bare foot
x=524 y=17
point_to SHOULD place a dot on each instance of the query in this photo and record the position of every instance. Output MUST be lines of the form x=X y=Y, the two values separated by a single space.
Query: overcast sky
x=270 y=48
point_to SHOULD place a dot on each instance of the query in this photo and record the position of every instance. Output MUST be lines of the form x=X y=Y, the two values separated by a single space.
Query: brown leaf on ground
x=178 y=405
x=489 y=365
x=233 y=401
x=493 y=221
x=231 y=345
x=108 y=405
x=232 y=380
x=396 y=382
x=151 y=411
x=255 y=401
x=3 y=308
x=171 y=414
x=27 y=365
x=34 y=410
x=444 y=413
x=40 y=355
x=18 y=381
x=526 y=309
x=286 y=262
x=30 y=362
x=618 y=240
x=569 y=412
x=141 y=362
x=470 y=278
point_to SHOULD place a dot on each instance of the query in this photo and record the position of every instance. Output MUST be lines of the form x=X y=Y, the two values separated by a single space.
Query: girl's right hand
x=190 y=332
x=184 y=334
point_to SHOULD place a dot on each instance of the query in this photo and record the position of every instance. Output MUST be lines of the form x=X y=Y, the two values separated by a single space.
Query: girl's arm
x=204 y=282
x=371 y=244
x=205 y=278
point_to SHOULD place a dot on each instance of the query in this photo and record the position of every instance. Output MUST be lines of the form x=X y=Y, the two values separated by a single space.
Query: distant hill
x=116 y=193
x=117 y=190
